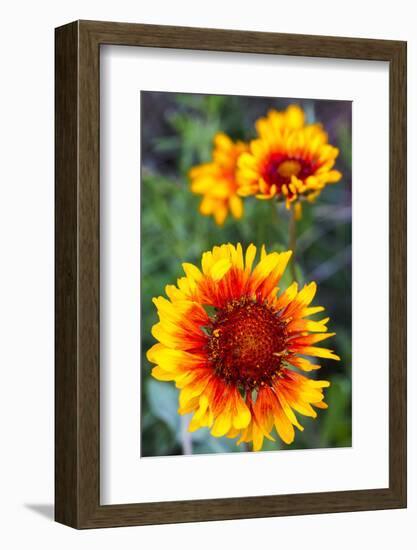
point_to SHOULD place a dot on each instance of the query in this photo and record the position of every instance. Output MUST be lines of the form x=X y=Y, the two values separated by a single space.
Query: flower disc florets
x=246 y=343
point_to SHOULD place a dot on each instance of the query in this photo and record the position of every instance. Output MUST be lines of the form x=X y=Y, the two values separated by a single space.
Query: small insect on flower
x=216 y=180
x=234 y=345
x=290 y=160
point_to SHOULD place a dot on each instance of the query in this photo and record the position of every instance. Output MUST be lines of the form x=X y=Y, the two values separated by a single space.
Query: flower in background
x=216 y=180
x=289 y=160
x=234 y=345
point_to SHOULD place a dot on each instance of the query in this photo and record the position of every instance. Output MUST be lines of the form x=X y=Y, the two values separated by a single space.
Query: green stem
x=292 y=241
x=246 y=447
x=186 y=441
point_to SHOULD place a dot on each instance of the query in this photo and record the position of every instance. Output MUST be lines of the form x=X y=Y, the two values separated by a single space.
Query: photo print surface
x=245 y=274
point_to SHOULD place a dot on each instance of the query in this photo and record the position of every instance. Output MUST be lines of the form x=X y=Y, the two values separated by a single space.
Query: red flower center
x=279 y=168
x=246 y=341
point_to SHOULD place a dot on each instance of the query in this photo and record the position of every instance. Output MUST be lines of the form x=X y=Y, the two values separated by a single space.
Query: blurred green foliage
x=177 y=132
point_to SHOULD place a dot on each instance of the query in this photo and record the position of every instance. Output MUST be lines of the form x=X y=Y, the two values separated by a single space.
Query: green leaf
x=163 y=403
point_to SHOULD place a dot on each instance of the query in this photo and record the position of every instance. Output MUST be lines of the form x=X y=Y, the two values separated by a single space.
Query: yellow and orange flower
x=216 y=180
x=233 y=345
x=289 y=160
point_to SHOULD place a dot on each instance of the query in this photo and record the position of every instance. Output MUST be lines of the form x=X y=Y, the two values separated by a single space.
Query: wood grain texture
x=398 y=273
x=66 y=237
x=78 y=285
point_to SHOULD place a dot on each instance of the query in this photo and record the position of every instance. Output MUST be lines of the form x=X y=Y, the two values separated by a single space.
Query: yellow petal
x=220 y=214
x=151 y=353
x=174 y=293
x=236 y=255
x=222 y=141
x=192 y=272
x=306 y=325
x=269 y=264
x=320 y=405
x=193 y=391
x=242 y=415
x=163 y=375
x=236 y=206
x=320 y=352
x=220 y=268
x=287 y=296
x=222 y=424
x=250 y=256
x=302 y=364
x=283 y=426
x=294 y=116
x=288 y=411
x=160 y=333
x=206 y=262
x=232 y=433
x=257 y=438
x=312 y=338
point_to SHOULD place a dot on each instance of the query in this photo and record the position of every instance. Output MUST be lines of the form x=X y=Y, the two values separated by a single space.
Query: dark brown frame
x=77 y=373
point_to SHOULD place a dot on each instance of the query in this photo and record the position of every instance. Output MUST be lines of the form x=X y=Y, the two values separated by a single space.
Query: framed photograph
x=230 y=274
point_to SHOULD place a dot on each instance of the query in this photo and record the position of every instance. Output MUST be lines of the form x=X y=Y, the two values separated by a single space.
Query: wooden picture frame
x=77 y=405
